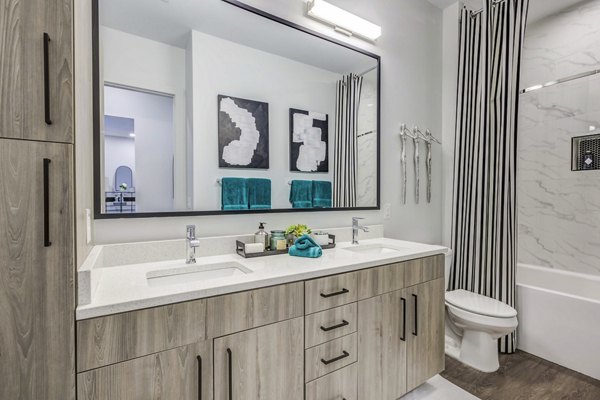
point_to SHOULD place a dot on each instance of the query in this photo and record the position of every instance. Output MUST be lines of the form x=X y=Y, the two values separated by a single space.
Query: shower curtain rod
x=367 y=71
x=476 y=13
x=562 y=80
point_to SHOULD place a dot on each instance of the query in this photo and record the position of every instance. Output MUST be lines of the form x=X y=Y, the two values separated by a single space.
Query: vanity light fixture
x=342 y=20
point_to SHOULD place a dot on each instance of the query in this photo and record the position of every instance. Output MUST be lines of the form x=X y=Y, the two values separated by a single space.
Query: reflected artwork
x=309 y=141
x=243 y=133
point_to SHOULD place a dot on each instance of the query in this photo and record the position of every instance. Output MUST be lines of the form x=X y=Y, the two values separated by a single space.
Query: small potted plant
x=293 y=232
x=123 y=187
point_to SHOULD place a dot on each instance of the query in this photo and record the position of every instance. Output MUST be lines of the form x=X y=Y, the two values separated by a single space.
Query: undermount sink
x=377 y=248
x=195 y=272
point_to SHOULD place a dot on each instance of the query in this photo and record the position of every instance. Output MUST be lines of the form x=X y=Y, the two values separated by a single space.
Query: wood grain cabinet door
x=184 y=373
x=37 y=297
x=425 y=355
x=382 y=340
x=36 y=70
x=261 y=364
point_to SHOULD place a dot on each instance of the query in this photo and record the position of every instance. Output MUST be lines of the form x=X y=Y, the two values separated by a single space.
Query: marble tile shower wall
x=559 y=210
x=562 y=45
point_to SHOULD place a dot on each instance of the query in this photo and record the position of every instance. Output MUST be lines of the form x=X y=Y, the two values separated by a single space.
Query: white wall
x=227 y=68
x=450 y=76
x=411 y=51
x=137 y=62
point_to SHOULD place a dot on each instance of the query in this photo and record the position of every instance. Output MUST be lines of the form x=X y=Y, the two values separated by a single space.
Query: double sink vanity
x=362 y=322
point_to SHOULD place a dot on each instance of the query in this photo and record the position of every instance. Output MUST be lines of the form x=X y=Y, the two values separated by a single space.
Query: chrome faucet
x=355 y=228
x=192 y=244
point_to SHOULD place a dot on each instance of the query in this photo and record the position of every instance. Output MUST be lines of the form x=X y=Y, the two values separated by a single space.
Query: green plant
x=298 y=230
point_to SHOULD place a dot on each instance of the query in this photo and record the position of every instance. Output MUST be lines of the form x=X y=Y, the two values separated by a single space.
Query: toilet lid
x=478 y=304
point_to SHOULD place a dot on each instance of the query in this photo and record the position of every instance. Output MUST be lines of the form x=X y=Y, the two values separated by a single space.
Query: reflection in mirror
x=213 y=108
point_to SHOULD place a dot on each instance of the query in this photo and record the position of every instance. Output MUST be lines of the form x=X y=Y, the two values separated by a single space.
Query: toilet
x=474 y=323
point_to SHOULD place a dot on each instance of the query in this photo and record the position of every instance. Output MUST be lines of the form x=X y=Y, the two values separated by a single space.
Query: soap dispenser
x=262 y=236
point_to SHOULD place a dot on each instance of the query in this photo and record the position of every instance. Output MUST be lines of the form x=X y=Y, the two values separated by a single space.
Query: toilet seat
x=478 y=304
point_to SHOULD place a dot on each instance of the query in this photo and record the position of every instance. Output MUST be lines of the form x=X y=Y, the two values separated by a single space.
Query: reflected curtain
x=348 y=92
x=484 y=234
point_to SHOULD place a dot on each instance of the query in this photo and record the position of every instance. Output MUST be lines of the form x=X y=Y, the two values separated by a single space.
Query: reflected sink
x=373 y=249
x=195 y=272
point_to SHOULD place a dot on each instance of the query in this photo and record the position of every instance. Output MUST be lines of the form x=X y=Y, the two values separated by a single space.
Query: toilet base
x=480 y=351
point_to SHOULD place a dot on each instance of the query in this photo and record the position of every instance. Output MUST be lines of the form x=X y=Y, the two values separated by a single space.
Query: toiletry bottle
x=588 y=160
x=262 y=236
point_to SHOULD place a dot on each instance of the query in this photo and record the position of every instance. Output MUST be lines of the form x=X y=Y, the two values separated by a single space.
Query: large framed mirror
x=214 y=107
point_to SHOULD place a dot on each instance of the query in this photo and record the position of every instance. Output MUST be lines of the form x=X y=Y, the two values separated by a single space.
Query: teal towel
x=321 y=194
x=301 y=194
x=259 y=194
x=234 y=194
x=305 y=247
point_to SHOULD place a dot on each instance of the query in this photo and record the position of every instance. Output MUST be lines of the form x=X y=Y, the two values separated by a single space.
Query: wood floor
x=523 y=376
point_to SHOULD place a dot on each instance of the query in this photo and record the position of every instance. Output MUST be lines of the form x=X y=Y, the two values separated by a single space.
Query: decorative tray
x=241 y=249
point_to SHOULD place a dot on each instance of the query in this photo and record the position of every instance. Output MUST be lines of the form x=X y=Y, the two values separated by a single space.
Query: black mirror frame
x=98 y=137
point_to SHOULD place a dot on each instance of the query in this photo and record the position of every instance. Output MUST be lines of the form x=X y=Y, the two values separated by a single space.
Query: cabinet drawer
x=246 y=310
x=338 y=385
x=376 y=281
x=330 y=324
x=424 y=270
x=330 y=356
x=174 y=374
x=120 y=337
x=332 y=291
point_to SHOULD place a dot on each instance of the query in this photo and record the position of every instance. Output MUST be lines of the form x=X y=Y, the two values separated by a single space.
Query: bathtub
x=559 y=317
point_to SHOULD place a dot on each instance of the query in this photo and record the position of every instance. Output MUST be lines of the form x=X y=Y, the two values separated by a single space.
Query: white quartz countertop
x=126 y=288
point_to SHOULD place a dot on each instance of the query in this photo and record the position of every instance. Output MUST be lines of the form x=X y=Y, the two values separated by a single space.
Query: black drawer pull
x=343 y=291
x=403 y=337
x=47 y=79
x=416 y=331
x=327 y=362
x=47 y=242
x=341 y=325
x=199 y=377
x=230 y=360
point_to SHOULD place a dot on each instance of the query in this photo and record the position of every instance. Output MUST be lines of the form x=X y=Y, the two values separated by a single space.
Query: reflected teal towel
x=259 y=194
x=234 y=194
x=321 y=194
x=301 y=194
x=305 y=247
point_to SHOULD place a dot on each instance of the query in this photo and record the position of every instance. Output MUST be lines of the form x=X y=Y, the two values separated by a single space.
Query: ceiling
x=538 y=9
x=171 y=21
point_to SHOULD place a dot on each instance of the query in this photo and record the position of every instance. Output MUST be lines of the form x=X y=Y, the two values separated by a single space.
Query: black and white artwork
x=243 y=133
x=309 y=141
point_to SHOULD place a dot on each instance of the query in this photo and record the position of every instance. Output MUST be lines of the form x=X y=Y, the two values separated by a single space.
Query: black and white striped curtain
x=484 y=234
x=346 y=135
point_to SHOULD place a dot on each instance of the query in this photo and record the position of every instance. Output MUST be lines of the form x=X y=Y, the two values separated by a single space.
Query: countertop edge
x=89 y=311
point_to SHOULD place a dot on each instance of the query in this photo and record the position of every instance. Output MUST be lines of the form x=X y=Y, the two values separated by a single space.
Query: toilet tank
x=448 y=266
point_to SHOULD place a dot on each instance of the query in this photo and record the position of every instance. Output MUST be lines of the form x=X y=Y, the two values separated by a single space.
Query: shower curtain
x=346 y=135
x=484 y=234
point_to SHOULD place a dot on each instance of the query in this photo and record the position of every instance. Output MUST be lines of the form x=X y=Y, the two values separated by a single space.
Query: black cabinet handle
x=230 y=361
x=47 y=242
x=416 y=331
x=341 y=325
x=343 y=291
x=327 y=362
x=199 y=377
x=47 y=78
x=403 y=337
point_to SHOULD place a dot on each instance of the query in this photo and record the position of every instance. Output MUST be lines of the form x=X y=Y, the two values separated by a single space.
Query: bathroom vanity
x=363 y=322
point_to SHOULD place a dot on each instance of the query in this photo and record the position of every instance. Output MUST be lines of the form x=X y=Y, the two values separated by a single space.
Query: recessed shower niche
x=586 y=153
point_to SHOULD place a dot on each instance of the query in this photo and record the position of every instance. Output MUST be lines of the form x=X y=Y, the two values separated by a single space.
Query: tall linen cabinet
x=37 y=294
